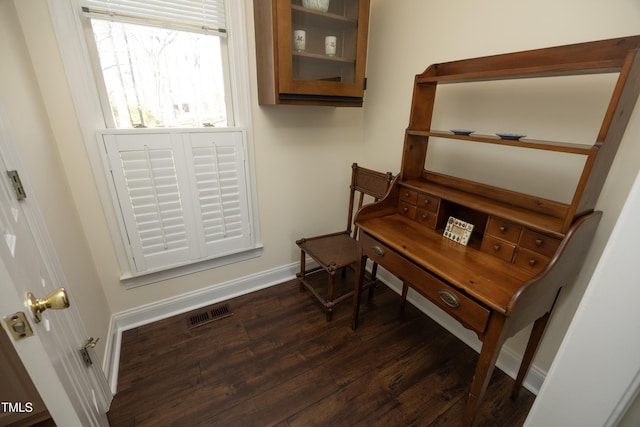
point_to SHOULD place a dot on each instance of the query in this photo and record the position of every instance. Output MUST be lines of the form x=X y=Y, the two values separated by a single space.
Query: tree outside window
x=158 y=77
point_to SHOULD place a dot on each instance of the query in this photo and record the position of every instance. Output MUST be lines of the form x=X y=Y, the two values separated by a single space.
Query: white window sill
x=133 y=281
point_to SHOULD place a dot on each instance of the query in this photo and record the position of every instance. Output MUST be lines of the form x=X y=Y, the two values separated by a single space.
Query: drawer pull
x=427 y=201
x=532 y=262
x=425 y=216
x=503 y=229
x=377 y=250
x=449 y=298
x=405 y=210
x=539 y=242
x=496 y=248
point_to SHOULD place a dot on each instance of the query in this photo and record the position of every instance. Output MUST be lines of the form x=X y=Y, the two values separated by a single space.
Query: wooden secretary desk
x=522 y=248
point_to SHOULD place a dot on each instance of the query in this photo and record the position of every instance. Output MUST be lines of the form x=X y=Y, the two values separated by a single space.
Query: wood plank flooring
x=277 y=362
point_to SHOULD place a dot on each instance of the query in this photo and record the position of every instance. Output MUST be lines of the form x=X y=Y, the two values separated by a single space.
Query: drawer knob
x=426 y=201
x=496 y=248
x=449 y=298
x=406 y=194
x=405 y=210
x=503 y=228
x=532 y=262
x=377 y=250
x=539 y=242
x=425 y=216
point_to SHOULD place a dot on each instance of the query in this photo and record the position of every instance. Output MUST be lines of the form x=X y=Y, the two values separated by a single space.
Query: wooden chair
x=336 y=251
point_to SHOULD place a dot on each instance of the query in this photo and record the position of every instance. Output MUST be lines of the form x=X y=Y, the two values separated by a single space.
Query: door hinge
x=17 y=184
x=84 y=351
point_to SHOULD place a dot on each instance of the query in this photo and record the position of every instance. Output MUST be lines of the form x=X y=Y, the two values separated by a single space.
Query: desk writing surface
x=482 y=276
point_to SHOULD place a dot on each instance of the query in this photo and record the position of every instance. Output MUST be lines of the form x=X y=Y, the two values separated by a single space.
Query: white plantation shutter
x=182 y=195
x=217 y=162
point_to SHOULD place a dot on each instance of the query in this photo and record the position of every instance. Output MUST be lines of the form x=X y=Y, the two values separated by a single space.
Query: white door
x=75 y=394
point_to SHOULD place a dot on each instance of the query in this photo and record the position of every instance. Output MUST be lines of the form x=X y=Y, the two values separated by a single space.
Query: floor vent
x=208 y=315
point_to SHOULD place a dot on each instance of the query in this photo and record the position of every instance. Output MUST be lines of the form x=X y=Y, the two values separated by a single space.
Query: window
x=157 y=77
x=162 y=61
x=175 y=146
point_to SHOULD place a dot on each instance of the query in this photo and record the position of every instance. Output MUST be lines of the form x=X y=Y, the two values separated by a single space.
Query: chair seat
x=338 y=251
x=331 y=251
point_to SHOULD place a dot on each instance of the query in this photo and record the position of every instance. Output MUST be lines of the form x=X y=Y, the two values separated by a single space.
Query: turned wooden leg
x=403 y=300
x=302 y=269
x=374 y=273
x=534 y=339
x=329 y=306
x=357 y=289
x=493 y=340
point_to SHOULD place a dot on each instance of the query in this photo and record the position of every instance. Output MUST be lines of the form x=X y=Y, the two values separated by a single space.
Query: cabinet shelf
x=563 y=147
x=320 y=57
x=316 y=17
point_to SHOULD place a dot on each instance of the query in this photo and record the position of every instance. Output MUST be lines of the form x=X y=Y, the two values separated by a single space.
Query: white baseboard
x=508 y=361
x=163 y=309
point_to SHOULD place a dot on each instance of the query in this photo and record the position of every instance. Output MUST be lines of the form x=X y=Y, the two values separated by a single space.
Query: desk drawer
x=428 y=202
x=408 y=196
x=427 y=218
x=531 y=260
x=449 y=299
x=499 y=248
x=540 y=243
x=504 y=229
x=407 y=210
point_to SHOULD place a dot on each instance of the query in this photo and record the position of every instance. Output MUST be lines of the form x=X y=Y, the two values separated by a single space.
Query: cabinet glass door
x=327 y=49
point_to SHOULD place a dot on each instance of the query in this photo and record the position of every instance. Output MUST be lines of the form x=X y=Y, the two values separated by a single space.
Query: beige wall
x=303 y=154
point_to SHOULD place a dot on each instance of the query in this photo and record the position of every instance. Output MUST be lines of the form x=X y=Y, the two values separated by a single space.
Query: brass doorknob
x=56 y=300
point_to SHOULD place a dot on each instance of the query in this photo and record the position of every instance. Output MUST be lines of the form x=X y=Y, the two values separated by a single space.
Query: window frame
x=76 y=56
x=102 y=88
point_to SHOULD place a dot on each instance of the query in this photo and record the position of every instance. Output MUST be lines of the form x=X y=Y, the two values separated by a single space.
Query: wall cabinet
x=309 y=55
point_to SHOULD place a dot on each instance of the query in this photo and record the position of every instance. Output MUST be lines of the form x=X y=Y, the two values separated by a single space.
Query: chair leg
x=330 y=290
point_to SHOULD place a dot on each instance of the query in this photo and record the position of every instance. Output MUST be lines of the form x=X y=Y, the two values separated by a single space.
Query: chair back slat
x=365 y=182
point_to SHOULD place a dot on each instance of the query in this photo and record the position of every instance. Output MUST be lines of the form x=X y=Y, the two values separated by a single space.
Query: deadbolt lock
x=56 y=300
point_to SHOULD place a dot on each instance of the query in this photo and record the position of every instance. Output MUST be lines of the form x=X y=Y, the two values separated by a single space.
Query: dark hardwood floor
x=277 y=362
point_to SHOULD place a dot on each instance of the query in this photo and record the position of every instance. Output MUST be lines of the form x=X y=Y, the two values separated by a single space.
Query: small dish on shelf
x=510 y=136
x=461 y=132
